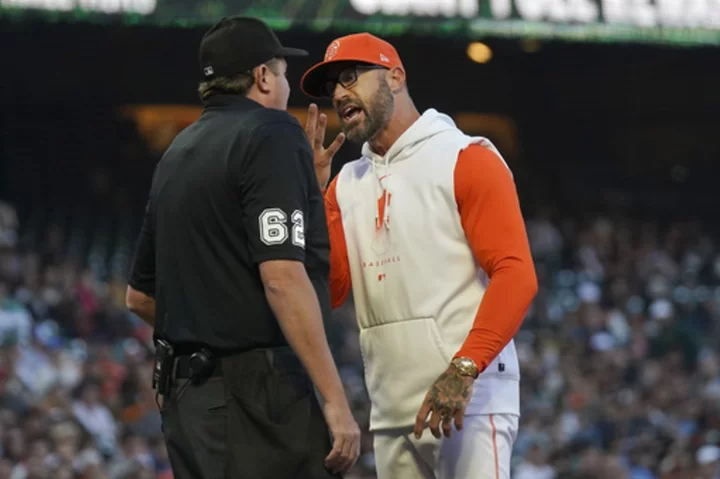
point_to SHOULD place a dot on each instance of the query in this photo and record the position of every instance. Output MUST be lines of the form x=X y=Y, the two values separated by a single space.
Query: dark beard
x=377 y=114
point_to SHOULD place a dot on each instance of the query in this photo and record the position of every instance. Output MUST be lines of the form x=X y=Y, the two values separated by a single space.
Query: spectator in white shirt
x=95 y=417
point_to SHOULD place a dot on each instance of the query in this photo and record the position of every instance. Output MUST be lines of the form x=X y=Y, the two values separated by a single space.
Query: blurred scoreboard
x=674 y=22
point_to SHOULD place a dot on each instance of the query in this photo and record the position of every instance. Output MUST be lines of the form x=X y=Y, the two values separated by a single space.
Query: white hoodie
x=415 y=282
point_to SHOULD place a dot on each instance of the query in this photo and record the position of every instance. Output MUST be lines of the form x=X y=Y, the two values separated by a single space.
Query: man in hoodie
x=427 y=232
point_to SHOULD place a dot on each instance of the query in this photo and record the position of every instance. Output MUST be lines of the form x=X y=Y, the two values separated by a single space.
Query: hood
x=430 y=123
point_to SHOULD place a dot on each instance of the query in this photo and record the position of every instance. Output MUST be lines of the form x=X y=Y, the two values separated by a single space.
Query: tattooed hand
x=447 y=399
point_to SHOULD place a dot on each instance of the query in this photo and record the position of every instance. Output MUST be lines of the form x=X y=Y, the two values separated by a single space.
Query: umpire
x=231 y=270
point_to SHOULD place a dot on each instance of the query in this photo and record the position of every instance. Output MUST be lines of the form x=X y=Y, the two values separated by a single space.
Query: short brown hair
x=239 y=84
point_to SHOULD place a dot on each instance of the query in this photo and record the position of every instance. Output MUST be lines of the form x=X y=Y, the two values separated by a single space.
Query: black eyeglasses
x=348 y=77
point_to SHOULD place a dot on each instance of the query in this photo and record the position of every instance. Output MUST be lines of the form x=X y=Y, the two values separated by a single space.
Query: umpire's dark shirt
x=234 y=189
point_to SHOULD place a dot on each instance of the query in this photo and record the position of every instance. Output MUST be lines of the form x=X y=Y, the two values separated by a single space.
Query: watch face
x=465 y=366
x=464 y=363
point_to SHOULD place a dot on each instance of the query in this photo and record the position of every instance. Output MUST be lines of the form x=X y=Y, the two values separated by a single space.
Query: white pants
x=481 y=450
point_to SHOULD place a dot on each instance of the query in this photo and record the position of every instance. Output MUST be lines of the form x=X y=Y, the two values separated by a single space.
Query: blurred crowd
x=621 y=375
x=619 y=355
x=75 y=370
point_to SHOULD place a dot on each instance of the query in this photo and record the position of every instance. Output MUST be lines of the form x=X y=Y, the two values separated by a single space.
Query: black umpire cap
x=237 y=44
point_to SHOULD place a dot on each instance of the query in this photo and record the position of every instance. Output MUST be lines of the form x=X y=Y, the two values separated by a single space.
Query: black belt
x=183 y=370
x=256 y=360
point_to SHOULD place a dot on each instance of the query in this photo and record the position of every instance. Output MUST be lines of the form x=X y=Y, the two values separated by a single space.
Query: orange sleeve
x=493 y=224
x=339 y=266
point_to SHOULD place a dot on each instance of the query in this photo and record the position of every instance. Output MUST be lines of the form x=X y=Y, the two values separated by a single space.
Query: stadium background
x=611 y=131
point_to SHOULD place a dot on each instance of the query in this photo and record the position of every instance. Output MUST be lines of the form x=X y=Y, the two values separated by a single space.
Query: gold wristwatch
x=466 y=367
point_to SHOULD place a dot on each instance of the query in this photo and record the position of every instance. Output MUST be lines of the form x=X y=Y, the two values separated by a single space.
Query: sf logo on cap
x=332 y=50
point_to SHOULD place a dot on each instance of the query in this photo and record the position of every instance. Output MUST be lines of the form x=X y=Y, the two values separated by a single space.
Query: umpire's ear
x=267 y=73
x=262 y=79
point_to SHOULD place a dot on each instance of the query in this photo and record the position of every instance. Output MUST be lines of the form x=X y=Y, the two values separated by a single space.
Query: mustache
x=341 y=106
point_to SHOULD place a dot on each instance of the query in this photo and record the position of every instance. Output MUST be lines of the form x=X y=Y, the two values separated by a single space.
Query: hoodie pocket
x=402 y=360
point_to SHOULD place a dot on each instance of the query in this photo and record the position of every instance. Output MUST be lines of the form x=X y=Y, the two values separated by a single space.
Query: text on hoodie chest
x=396 y=218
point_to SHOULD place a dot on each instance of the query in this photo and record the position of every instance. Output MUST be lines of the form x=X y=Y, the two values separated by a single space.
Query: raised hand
x=315 y=127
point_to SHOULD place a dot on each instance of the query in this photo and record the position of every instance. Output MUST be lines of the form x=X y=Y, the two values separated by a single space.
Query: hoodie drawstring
x=386 y=197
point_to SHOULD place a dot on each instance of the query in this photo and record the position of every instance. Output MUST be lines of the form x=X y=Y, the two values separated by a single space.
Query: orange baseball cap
x=358 y=47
